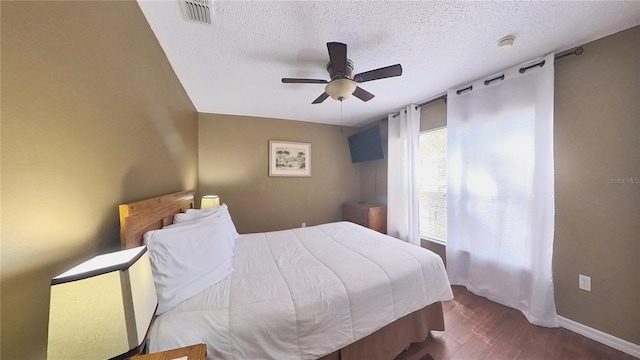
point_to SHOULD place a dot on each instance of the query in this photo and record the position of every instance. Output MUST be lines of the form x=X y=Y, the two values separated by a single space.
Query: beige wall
x=92 y=116
x=233 y=158
x=597 y=137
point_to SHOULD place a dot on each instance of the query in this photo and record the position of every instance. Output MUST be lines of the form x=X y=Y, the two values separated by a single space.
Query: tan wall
x=92 y=116
x=233 y=157
x=597 y=137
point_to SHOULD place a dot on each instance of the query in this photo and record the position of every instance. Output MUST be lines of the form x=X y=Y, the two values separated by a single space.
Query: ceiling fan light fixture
x=340 y=89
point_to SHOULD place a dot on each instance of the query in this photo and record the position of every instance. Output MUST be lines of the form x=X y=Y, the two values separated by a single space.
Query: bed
x=333 y=291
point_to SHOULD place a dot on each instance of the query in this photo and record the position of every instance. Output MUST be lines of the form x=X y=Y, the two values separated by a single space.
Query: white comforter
x=304 y=293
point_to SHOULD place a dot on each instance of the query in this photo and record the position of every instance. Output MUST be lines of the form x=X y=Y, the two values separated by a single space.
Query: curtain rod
x=575 y=51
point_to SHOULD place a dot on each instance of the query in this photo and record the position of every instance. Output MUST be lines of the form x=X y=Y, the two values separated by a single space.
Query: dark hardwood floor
x=479 y=329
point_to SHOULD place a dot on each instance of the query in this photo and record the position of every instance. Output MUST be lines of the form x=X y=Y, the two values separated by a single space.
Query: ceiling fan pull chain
x=341 y=116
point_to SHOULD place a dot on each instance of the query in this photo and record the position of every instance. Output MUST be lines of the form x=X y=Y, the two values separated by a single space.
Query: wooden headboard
x=138 y=217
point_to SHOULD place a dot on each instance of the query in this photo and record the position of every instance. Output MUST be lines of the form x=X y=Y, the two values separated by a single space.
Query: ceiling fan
x=342 y=85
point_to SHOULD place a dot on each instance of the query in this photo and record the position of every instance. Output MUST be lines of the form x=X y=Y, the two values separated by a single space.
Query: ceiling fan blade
x=363 y=94
x=381 y=73
x=321 y=98
x=338 y=56
x=303 y=81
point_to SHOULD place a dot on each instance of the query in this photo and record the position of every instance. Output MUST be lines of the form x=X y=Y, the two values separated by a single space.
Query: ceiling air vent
x=198 y=10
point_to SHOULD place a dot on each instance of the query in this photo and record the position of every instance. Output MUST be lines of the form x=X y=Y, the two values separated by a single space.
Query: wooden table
x=193 y=352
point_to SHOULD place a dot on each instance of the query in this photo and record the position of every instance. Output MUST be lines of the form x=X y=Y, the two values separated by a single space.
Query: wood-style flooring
x=479 y=329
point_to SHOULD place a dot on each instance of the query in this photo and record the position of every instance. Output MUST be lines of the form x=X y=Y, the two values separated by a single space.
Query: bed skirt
x=388 y=342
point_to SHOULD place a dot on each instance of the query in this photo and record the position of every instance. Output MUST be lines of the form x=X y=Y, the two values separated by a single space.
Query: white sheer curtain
x=402 y=188
x=500 y=190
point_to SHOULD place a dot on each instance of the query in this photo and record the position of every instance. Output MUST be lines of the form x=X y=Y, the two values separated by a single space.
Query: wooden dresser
x=369 y=215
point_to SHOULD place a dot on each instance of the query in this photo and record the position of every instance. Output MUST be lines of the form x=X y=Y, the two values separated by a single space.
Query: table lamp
x=102 y=308
x=209 y=201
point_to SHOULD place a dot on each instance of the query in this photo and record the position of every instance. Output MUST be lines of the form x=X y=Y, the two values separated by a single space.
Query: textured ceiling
x=234 y=65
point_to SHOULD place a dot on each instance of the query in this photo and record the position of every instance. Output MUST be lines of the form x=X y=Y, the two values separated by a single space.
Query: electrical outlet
x=304 y=224
x=584 y=282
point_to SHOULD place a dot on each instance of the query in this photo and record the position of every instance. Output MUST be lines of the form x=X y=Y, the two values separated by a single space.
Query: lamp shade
x=209 y=201
x=103 y=307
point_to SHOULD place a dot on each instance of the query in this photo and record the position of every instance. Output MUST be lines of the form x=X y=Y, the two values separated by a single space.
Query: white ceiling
x=234 y=65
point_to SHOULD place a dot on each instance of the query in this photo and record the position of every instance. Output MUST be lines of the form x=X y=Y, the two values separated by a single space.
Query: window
x=432 y=184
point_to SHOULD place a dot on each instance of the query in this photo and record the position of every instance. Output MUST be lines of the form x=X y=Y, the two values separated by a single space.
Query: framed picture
x=288 y=158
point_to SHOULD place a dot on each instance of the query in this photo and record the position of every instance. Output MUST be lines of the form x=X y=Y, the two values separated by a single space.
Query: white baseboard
x=601 y=337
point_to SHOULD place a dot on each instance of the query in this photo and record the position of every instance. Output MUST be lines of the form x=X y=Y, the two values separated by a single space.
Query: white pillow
x=196 y=214
x=207 y=214
x=211 y=209
x=219 y=217
x=185 y=261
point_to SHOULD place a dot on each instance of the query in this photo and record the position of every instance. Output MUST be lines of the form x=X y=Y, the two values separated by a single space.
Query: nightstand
x=193 y=352
x=369 y=215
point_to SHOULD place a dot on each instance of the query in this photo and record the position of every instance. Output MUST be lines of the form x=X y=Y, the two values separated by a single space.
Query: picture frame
x=287 y=158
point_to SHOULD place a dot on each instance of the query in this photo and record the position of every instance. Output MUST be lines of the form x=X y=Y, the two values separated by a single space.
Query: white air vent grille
x=198 y=10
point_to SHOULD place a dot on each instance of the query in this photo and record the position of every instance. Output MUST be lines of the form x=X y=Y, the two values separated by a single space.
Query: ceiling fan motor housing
x=336 y=75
